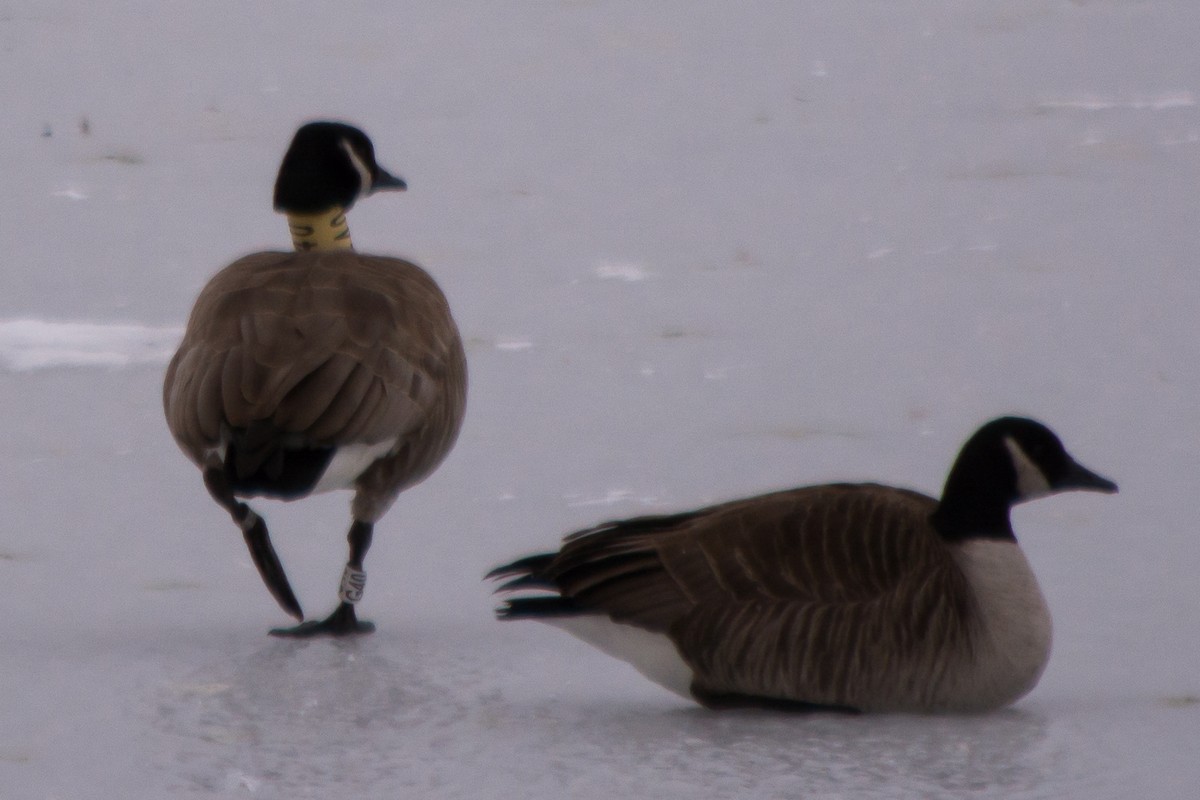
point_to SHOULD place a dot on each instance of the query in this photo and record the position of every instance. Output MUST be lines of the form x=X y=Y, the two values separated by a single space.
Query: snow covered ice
x=30 y=344
x=698 y=251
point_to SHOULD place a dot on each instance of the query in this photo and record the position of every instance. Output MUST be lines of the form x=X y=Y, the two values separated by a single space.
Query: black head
x=1007 y=461
x=329 y=164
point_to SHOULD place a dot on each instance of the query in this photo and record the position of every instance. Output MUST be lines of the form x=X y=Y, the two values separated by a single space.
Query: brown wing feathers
x=324 y=348
x=825 y=640
x=613 y=568
x=764 y=594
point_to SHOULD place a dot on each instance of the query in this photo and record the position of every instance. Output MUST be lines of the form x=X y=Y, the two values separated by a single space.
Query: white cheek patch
x=1031 y=481
x=360 y=166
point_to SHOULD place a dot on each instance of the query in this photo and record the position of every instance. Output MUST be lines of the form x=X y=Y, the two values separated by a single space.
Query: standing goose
x=848 y=596
x=319 y=369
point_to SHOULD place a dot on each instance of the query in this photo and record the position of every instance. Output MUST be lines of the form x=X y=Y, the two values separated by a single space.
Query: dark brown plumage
x=327 y=348
x=836 y=596
x=319 y=369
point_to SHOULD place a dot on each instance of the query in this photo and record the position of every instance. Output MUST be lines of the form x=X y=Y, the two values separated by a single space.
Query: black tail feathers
x=529 y=573
x=260 y=461
x=538 y=608
x=528 y=567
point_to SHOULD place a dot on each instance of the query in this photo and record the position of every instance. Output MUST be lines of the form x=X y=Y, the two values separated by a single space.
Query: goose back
x=855 y=596
x=321 y=349
x=840 y=595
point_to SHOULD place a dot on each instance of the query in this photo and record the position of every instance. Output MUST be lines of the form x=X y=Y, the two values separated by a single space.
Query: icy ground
x=700 y=249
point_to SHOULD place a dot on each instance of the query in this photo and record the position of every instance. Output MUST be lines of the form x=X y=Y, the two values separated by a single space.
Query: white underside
x=652 y=654
x=348 y=462
x=1011 y=644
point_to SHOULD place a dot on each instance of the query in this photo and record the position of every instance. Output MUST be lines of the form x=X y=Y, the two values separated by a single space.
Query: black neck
x=978 y=495
x=962 y=520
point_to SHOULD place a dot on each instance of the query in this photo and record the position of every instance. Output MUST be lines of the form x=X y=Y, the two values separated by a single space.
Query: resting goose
x=318 y=369
x=843 y=596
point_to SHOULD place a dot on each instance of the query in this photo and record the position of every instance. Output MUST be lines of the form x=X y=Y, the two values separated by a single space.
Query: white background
x=699 y=250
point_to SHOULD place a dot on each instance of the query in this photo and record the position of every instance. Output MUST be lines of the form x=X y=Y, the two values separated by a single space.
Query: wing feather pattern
x=324 y=349
x=797 y=594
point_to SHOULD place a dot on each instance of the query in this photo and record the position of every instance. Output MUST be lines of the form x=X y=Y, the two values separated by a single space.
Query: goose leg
x=343 y=621
x=257 y=539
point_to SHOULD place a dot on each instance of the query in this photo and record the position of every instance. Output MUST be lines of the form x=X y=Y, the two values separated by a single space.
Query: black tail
x=259 y=461
x=528 y=567
x=539 y=608
x=529 y=573
x=611 y=568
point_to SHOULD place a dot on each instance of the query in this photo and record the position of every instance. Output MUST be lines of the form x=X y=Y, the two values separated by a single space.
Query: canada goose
x=319 y=369
x=846 y=596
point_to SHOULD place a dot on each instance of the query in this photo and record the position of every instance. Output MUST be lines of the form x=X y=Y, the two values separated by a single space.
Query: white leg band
x=353 y=583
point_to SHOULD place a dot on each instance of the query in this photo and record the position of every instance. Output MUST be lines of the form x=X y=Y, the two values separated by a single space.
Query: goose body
x=847 y=596
x=319 y=369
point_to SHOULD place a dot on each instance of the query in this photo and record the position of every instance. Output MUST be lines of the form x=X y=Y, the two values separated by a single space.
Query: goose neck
x=324 y=230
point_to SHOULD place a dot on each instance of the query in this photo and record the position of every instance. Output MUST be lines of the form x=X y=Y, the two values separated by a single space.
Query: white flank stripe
x=348 y=462
x=652 y=654
x=32 y=344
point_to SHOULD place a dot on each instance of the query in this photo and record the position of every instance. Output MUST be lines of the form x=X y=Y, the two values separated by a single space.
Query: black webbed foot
x=342 y=622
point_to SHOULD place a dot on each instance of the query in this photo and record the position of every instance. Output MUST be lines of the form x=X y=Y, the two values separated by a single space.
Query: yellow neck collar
x=325 y=230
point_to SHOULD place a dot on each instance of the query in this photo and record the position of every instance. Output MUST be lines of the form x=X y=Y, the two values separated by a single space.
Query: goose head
x=1006 y=462
x=329 y=165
